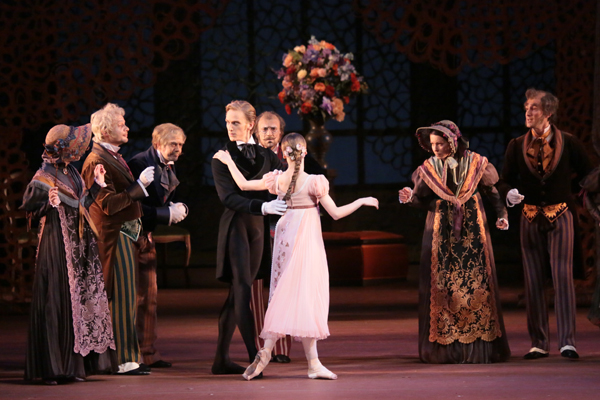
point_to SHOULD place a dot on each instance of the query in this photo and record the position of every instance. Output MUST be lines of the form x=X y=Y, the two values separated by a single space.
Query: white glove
x=513 y=197
x=276 y=207
x=178 y=212
x=53 y=197
x=147 y=176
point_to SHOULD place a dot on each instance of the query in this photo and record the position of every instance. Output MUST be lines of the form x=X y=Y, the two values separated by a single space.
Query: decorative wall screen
x=467 y=60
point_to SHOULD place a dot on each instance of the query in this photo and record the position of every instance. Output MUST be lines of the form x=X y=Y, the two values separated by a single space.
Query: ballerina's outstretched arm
x=343 y=211
x=239 y=179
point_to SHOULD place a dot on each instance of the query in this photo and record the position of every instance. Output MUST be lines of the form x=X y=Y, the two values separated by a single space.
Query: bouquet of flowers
x=318 y=80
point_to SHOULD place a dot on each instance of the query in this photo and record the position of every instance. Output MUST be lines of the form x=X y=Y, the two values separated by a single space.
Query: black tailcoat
x=155 y=207
x=237 y=201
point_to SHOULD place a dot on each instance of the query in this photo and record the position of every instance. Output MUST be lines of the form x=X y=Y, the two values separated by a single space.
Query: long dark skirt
x=479 y=351
x=50 y=352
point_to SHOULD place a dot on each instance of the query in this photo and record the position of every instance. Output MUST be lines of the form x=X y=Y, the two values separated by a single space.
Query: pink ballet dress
x=299 y=293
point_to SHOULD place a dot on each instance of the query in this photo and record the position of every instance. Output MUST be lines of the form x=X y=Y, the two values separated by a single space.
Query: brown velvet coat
x=115 y=204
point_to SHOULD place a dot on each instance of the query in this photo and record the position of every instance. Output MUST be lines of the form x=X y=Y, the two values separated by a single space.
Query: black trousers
x=245 y=244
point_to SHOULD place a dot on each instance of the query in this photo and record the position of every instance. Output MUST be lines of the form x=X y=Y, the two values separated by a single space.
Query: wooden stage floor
x=372 y=348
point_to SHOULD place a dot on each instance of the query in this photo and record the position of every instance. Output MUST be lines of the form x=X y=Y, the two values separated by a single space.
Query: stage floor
x=372 y=348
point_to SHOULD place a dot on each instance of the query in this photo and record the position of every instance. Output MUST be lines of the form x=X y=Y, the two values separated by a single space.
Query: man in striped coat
x=116 y=213
x=538 y=170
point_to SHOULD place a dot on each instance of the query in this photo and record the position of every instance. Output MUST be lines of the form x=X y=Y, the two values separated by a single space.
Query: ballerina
x=299 y=291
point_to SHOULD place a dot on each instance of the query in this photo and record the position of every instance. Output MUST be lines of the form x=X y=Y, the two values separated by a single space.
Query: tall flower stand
x=318 y=140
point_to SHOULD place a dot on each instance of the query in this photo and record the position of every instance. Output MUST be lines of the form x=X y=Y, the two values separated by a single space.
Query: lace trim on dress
x=92 y=325
x=282 y=248
x=280 y=256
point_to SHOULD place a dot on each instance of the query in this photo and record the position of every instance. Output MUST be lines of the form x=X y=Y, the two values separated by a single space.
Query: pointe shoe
x=321 y=373
x=260 y=363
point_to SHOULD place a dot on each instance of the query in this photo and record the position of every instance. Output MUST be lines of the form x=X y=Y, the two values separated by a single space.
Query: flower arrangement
x=318 y=80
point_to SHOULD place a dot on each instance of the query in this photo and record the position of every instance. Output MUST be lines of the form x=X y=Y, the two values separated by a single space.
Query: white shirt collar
x=241 y=142
x=549 y=137
x=162 y=159
x=110 y=147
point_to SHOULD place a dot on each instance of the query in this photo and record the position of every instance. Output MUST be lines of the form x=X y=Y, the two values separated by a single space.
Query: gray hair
x=104 y=120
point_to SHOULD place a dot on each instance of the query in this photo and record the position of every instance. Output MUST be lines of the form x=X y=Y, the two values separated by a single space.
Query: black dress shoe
x=161 y=364
x=145 y=368
x=572 y=354
x=281 y=358
x=534 y=355
x=227 y=368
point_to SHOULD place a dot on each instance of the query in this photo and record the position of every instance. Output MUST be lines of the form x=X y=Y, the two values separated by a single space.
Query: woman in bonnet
x=70 y=329
x=460 y=320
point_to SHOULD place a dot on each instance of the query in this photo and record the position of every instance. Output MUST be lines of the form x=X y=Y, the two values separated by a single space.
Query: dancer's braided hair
x=294 y=146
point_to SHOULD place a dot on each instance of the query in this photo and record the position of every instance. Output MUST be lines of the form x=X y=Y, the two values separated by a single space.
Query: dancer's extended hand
x=404 y=195
x=371 y=201
x=502 y=224
x=223 y=156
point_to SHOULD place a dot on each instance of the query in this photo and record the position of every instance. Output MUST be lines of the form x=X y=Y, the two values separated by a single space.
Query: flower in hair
x=289 y=153
x=301 y=149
